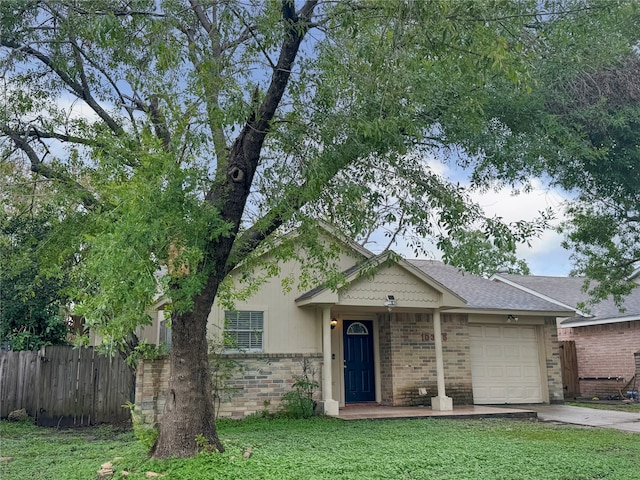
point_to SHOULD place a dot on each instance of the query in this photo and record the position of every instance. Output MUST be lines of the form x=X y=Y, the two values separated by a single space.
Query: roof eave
x=570 y=322
x=497 y=278
x=511 y=311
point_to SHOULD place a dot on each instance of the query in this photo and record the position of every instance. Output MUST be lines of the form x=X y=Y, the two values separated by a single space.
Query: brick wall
x=257 y=382
x=386 y=358
x=152 y=384
x=408 y=359
x=605 y=352
x=636 y=382
x=552 y=361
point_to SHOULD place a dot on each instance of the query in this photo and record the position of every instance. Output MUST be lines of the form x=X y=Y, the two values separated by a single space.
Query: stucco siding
x=287 y=327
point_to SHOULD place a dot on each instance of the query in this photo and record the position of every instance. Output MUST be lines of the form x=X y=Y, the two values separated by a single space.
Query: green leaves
x=33 y=298
x=156 y=96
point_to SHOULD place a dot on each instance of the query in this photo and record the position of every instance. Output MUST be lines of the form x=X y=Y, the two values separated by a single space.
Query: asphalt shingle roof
x=568 y=290
x=482 y=293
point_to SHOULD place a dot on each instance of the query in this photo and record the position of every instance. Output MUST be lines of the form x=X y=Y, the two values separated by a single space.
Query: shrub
x=144 y=433
x=299 y=403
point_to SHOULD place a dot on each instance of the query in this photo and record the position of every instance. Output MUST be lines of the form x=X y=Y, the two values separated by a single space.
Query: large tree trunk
x=189 y=410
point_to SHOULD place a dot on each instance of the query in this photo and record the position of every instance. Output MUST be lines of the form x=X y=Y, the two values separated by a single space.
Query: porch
x=380 y=412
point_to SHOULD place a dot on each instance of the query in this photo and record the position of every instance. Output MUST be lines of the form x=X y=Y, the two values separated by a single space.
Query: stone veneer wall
x=152 y=384
x=386 y=358
x=604 y=353
x=408 y=360
x=636 y=384
x=552 y=361
x=257 y=382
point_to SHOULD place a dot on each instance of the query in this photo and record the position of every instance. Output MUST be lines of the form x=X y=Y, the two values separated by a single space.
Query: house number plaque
x=430 y=337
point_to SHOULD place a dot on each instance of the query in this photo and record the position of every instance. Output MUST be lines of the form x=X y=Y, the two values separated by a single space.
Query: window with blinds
x=243 y=330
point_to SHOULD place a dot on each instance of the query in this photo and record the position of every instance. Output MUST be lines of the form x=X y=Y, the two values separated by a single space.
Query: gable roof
x=483 y=294
x=322 y=293
x=459 y=290
x=568 y=291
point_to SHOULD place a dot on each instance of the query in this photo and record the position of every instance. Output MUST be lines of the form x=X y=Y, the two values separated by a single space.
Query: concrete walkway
x=588 y=417
x=374 y=411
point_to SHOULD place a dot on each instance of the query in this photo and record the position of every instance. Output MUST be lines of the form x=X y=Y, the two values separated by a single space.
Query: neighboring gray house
x=605 y=339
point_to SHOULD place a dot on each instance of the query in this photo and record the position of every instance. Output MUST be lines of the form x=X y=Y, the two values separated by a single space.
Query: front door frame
x=371 y=321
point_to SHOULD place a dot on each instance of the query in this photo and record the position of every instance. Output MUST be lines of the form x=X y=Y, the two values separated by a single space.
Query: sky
x=545 y=256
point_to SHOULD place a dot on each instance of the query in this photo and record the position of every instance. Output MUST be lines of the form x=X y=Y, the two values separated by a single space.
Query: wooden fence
x=569 y=363
x=64 y=386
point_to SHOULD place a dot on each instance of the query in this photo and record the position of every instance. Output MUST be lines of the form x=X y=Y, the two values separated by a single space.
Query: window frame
x=252 y=330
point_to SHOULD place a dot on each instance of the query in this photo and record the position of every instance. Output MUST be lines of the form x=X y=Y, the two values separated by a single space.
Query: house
x=397 y=332
x=606 y=340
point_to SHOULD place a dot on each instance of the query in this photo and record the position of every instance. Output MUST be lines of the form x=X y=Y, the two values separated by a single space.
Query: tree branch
x=81 y=90
x=201 y=16
x=298 y=25
x=63 y=137
x=159 y=122
x=212 y=93
x=251 y=33
x=37 y=166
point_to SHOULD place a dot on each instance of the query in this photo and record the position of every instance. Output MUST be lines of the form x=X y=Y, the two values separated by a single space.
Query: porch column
x=331 y=407
x=441 y=402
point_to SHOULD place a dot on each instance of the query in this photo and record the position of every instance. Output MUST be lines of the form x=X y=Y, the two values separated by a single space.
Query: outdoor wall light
x=511 y=318
x=333 y=323
x=390 y=302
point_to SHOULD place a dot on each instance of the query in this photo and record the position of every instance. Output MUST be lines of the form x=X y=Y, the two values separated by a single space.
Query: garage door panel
x=511 y=351
x=504 y=364
x=494 y=354
x=492 y=333
x=532 y=372
x=509 y=333
x=527 y=334
x=495 y=372
x=492 y=391
x=513 y=372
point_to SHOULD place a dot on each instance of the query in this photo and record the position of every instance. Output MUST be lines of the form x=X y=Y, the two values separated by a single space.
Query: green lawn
x=333 y=449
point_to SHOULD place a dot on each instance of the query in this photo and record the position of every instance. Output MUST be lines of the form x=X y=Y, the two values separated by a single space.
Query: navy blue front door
x=358 y=361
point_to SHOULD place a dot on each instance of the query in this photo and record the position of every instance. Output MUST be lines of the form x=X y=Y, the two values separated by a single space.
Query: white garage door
x=505 y=366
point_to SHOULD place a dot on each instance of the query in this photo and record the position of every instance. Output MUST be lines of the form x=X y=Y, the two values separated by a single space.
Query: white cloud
x=545 y=255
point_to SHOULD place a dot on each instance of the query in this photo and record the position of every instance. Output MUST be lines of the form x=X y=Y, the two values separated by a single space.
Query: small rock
x=18 y=415
x=124 y=473
x=6 y=459
x=106 y=471
x=247 y=453
x=89 y=438
x=152 y=475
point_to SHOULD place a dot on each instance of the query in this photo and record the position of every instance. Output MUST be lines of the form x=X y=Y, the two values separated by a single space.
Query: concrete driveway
x=589 y=417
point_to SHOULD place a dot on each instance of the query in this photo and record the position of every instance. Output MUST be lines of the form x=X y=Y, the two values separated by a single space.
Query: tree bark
x=189 y=411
